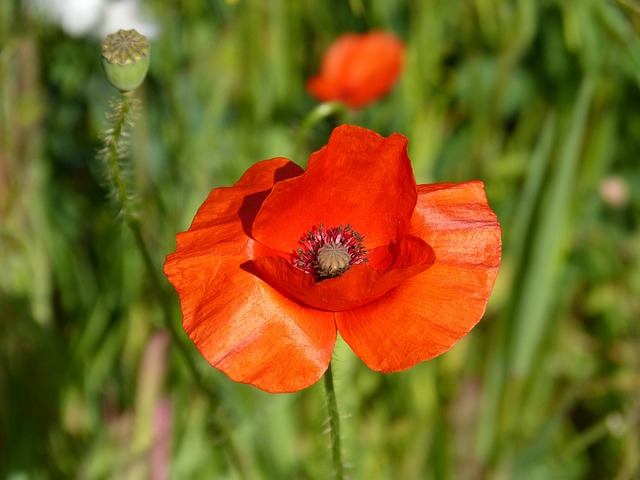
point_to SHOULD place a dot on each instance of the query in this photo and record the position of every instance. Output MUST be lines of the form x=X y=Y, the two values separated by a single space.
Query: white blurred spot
x=125 y=15
x=97 y=18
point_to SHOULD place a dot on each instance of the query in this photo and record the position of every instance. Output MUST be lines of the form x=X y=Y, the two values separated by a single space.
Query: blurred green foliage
x=537 y=98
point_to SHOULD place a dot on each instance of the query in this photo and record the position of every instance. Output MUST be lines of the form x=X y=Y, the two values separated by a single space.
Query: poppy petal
x=425 y=315
x=240 y=324
x=360 y=285
x=337 y=190
x=246 y=329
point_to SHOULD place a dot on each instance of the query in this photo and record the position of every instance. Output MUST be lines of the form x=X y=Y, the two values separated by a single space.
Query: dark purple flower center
x=329 y=252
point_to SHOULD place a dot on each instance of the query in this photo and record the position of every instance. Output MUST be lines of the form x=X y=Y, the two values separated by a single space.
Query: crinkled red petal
x=240 y=324
x=359 y=178
x=362 y=284
x=426 y=314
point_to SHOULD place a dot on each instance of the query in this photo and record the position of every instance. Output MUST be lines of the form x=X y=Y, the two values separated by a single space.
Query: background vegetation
x=537 y=98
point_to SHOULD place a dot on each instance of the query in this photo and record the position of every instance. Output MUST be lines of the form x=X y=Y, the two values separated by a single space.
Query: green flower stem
x=319 y=113
x=334 y=426
x=115 y=150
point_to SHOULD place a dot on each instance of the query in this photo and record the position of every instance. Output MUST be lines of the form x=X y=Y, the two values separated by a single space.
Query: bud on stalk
x=125 y=59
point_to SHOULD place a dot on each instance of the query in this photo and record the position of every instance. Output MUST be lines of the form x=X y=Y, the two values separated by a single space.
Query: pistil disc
x=330 y=252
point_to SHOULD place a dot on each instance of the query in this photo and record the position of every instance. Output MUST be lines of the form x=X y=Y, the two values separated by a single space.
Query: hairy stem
x=334 y=425
x=115 y=149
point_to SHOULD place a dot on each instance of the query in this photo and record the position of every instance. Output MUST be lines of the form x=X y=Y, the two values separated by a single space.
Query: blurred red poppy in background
x=272 y=267
x=359 y=69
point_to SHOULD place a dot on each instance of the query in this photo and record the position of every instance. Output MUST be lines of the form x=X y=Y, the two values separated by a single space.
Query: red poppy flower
x=273 y=266
x=358 y=69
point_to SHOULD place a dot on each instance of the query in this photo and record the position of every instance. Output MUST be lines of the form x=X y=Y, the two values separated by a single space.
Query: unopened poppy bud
x=125 y=59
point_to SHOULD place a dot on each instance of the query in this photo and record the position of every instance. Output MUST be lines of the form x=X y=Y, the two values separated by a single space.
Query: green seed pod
x=125 y=59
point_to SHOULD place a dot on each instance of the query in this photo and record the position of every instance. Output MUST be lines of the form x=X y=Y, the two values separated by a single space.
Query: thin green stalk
x=334 y=426
x=319 y=113
x=113 y=151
